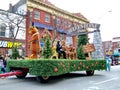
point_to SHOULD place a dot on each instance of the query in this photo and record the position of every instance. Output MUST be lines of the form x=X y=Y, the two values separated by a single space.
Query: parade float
x=49 y=64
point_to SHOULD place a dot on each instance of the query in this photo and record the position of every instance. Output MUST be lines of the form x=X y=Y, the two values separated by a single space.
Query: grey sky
x=104 y=12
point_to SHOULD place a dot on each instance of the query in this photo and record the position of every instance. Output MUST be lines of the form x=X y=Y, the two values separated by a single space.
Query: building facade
x=116 y=44
x=107 y=48
x=111 y=47
x=12 y=31
x=44 y=15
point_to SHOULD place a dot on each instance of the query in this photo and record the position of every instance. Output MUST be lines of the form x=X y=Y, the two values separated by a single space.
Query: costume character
x=46 y=34
x=65 y=48
x=35 y=42
x=55 y=54
x=72 y=52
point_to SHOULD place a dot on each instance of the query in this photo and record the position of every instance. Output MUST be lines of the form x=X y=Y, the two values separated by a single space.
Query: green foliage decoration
x=15 y=53
x=82 y=40
x=45 y=67
x=47 y=50
x=80 y=53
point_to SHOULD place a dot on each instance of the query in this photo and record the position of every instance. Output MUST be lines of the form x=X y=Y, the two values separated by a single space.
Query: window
x=69 y=24
x=47 y=18
x=3 y=29
x=64 y=23
x=36 y=14
x=58 y=22
x=11 y=31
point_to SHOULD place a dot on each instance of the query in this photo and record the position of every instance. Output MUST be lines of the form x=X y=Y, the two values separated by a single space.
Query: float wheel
x=90 y=73
x=43 y=79
x=23 y=74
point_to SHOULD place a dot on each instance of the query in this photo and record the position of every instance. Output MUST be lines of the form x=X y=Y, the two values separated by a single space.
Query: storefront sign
x=8 y=44
x=82 y=27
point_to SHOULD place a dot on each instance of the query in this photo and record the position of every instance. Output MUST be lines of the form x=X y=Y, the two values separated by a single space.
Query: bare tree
x=13 y=21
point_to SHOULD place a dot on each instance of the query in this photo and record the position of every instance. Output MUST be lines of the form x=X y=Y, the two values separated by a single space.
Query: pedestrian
x=2 y=64
x=5 y=63
x=108 y=63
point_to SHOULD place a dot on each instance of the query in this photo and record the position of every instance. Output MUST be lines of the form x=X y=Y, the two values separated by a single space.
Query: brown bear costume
x=35 y=42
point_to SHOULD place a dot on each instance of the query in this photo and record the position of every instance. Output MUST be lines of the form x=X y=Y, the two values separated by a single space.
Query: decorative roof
x=76 y=14
x=79 y=15
x=49 y=3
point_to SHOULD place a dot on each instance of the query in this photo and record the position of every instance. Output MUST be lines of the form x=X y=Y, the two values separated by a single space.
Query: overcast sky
x=104 y=12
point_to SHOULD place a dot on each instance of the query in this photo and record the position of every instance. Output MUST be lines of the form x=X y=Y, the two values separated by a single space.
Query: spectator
x=108 y=63
x=2 y=62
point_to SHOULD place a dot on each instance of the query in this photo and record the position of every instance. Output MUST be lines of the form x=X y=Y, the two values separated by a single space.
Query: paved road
x=102 y=80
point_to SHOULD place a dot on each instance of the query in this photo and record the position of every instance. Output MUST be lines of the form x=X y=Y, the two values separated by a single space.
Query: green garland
x=56 y=67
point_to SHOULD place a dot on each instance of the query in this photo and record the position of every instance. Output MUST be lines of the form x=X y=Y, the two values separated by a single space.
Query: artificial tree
x=47 y=49
x=80 y=53
x=82 y=40
x=15 y=53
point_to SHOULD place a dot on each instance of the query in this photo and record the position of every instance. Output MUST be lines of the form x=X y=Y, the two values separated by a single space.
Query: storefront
x=6 y=47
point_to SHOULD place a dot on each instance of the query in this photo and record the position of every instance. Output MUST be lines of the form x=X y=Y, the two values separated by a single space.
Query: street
x=101 y=80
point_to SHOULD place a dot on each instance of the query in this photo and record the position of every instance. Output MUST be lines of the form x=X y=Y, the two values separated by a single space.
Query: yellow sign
x=8 y=44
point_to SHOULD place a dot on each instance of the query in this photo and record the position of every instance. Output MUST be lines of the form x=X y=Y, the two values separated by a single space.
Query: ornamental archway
x=82 y=29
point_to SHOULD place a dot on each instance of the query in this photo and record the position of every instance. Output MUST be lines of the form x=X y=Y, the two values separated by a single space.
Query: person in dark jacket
x=60 y=51
x=2 y=64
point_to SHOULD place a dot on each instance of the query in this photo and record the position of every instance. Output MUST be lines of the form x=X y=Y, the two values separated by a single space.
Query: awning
x=39 y=25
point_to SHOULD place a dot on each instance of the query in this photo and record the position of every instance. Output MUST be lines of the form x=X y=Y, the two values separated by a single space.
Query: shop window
x=36 y=14
x=47 y=18
x=3 y=29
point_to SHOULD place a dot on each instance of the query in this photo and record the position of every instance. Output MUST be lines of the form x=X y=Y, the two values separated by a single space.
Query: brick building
x=110 y=47
x=44 y=15
x=107 y=48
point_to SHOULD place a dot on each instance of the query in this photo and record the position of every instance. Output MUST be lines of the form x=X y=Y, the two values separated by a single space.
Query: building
x=12 y=29
x=116 y=44
x=111 y=47
x=19 y=7
x=107 y=48
x=44 y=15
